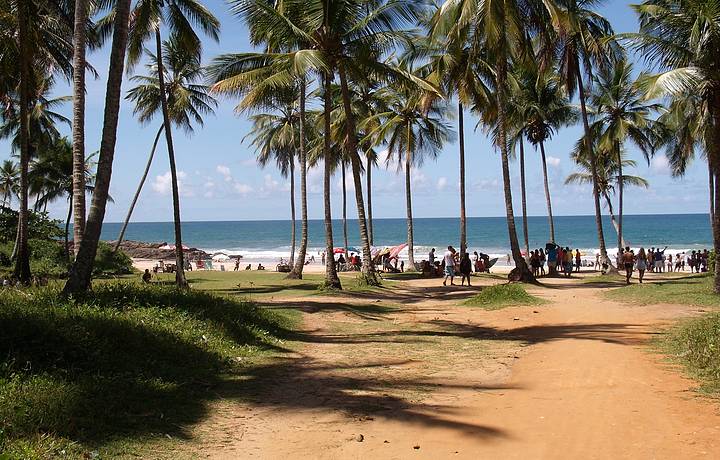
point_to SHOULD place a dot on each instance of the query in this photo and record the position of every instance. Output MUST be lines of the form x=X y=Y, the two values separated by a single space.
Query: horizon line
x=414 y=218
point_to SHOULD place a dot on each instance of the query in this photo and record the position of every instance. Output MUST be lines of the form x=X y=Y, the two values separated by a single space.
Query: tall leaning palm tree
x=608 y=175
x=178 y=16
x=583 y=40
x=78 y=172
x=81 y=269
x=187 y=100
x=619 y=106
x=413 y=130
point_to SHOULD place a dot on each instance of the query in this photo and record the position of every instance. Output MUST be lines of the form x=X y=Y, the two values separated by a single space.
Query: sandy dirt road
x=414 y=374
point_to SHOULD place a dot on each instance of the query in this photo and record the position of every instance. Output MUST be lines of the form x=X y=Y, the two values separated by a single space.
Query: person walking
x=628 y=259
x=449 y=261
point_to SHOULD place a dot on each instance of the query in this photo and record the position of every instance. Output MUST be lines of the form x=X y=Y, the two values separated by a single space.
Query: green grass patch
x=687 y=290
x=124 y=366
x=267 y=284
x=502 y=295
x=695 y=344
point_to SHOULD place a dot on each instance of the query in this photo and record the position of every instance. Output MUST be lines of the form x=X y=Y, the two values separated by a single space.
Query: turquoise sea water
x=269 y=240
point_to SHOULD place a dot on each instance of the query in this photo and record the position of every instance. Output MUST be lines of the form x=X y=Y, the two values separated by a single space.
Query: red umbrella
x=394 y=252
x=339 y=251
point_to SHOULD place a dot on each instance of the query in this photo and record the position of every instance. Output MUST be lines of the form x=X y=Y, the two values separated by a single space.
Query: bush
x=123 y=362
x=502 y=295
x=111 y=263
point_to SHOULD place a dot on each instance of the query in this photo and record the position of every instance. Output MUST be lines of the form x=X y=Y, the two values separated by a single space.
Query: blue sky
x=221 y=181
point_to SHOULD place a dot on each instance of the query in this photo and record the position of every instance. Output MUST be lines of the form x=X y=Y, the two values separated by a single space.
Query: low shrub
x=696 y=344
x=502 y=295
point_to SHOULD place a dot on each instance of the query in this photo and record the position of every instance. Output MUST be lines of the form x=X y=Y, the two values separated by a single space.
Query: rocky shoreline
x=144 y=250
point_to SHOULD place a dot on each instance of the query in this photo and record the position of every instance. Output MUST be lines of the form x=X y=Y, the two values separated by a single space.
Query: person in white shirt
x=449 y=260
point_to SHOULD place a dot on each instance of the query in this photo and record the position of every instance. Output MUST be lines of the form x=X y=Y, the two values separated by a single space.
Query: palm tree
x=544 y=107
x=81 y=269
x=9 y=178
x=178 y=16
x=51 y=178
x=583 y=40
x=36 y=42
x=501 y=27
x=456 y=62
x=78 y=172
x=608 y=174
x=681 y=39
x=685 y=132
x=618 y=105
x=414 y=130
x=187 y=100
x=275 y=138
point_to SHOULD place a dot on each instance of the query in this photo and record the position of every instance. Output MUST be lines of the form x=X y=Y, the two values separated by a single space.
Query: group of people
x=655 y=260
x=455 y=264
x=559 y=260
x=353 y=262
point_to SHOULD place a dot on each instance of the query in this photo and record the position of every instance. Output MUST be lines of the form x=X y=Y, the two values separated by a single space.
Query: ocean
x=268 y=240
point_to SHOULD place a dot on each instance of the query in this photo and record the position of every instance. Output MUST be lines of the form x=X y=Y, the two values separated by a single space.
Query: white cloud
x=225 y=172
x=163 y=184
x=660 y=165
x=242 y=189
x=553 y=161
x=442 y=183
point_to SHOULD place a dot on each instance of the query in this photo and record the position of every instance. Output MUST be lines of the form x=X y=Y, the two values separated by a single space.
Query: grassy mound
x=687 y=290
x=126 y=363
x=502 y=295
x=696 y=344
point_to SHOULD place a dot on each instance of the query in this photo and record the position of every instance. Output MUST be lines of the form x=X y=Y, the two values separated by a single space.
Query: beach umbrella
x=339 y=251
x=394 y=252
x=353 y=249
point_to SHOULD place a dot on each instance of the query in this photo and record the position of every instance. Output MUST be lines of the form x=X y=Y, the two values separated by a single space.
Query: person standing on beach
x=641 y=264
x=669 y=263
x=659 y=255
x=323 y=258
x=628 y=260
x=465 y=268
x=577 y=260
x=449 y=261
x=431 y=256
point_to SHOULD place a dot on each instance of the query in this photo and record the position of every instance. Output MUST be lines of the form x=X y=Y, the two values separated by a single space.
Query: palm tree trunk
x=547 y=192
x=292 y=211
x=344 y=211
x=331 y=278
x=297 y=270
x=463 y=219
x=368 y=269
x=121 y=236
x=78 y=128
x=714 y=162
x=180 y=280
x=711 y=183
x=81 y=270
x=368 y=171
x=22 y=262
x=408 y=205
x=521 y=271
x=620 y=197
x=523 y=197
x=67 y=227
x=593 y=169
x=612 y=218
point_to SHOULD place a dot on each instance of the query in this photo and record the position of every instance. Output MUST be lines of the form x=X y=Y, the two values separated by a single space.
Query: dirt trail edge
x=414 y=374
